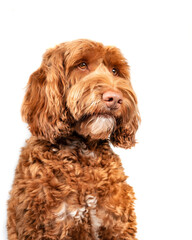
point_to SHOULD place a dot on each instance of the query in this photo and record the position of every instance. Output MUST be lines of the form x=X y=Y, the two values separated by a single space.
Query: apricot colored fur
x=69 y=184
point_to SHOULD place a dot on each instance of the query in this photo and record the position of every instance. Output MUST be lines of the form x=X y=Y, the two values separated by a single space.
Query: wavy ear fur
x=43 y=106
x=124 y=135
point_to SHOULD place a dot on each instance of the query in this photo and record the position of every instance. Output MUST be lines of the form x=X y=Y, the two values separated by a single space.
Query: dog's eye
x=83 y=66
x=115 y=71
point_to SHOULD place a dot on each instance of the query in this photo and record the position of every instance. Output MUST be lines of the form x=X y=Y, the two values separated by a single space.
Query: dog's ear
x=43 y=106
x=124 y=134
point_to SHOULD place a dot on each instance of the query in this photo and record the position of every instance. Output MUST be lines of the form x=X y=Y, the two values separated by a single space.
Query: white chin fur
x=97 y=127
x=102 y=124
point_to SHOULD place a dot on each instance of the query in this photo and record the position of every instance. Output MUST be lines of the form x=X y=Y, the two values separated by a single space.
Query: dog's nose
x=112 y=99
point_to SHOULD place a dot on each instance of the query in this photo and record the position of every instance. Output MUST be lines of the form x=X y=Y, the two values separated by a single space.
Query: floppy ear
x=124 y=135
x=43 y=106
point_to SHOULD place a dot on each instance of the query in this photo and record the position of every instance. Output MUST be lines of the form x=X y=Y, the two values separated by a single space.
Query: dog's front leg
x=117 y=212
x=30 y=212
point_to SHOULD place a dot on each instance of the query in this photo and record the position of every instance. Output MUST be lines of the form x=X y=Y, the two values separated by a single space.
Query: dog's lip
x=105 y=115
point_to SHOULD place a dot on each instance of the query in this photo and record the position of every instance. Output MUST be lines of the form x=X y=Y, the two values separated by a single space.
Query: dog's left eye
x=83 y=66
x=115 y=71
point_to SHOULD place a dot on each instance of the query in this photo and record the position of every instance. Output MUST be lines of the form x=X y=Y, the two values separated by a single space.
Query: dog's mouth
x=105 y=115
x=98 y=126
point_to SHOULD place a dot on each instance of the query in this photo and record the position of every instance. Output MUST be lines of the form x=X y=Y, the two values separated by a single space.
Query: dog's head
x=84 y=87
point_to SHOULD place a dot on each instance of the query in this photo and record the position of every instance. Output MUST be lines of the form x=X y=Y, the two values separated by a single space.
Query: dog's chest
x=81 y=214
x=88 y=180
x=86 y=173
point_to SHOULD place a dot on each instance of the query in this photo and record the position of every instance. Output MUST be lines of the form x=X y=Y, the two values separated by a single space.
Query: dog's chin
x=97 y=127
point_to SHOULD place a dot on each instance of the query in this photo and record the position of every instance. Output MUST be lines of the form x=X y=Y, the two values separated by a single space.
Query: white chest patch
x=95 y=221
x=67 y=211
x=78 y=213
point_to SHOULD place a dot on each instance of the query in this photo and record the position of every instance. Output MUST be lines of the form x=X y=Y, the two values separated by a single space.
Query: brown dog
x=69 y=184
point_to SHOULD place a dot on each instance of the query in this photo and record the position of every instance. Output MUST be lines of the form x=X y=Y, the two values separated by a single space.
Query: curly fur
x=69 y=184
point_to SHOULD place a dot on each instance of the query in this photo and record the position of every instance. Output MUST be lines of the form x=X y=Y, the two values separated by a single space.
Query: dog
x=69 y=184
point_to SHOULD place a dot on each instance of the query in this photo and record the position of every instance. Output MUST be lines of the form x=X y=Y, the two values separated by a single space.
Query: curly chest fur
x=73 y=184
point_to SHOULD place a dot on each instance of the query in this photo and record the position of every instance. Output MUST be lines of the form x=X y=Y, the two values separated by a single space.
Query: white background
x=156 y=38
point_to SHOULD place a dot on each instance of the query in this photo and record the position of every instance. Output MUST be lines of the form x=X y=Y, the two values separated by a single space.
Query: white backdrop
x=156 y=38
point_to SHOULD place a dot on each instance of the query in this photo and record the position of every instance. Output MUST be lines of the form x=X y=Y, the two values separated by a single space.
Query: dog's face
x=84 y=87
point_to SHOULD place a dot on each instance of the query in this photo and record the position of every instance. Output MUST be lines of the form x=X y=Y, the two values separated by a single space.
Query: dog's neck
x=80 y=141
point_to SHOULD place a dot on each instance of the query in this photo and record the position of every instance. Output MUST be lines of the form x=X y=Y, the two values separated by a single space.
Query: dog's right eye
x=83 y=66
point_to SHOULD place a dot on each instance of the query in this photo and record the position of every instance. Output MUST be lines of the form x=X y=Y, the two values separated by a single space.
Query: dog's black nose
x=113 y=99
